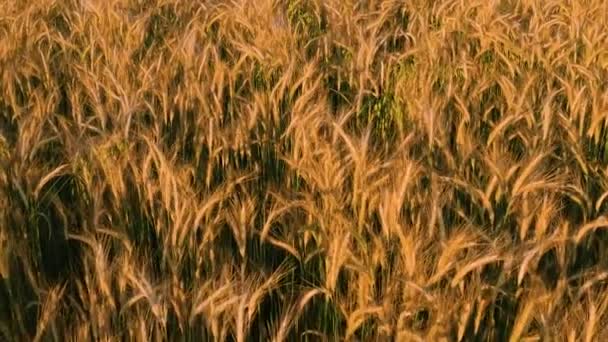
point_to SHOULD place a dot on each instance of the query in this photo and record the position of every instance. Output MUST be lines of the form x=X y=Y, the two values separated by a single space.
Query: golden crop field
x=303 y=170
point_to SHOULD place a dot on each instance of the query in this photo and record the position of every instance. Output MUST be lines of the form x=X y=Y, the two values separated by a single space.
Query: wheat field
x=303 y=170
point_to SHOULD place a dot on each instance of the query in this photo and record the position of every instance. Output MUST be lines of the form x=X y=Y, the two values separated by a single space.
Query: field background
x=319 y=170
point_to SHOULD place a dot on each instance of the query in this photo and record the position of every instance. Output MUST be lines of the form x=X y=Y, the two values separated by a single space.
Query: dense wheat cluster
x=315 y=170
